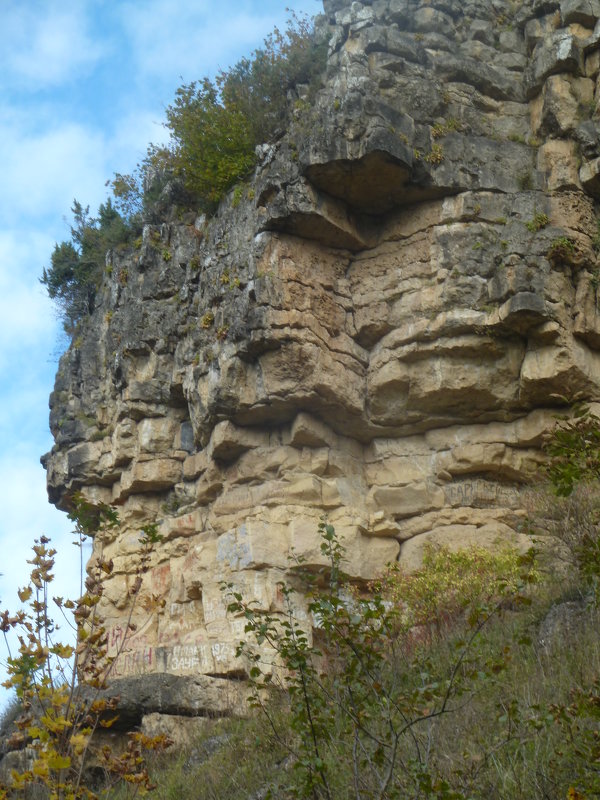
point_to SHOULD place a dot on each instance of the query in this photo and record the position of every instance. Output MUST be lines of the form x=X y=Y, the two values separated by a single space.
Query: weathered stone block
x=584 y=12
x=407 y=501
x=537 y=29
x=558 y=161
x=559 y=52
x=254 y=545
x=589 y=175
x=229 y=441
x=149 y=476
x=157 y=435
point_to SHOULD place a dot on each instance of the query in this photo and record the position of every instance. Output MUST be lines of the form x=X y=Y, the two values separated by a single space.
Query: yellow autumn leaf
x=108 y=723
x=40 y=768
x=20 y=779
x=59 y=762
x=25 y=594
x=55 y=724
x=62 y=650
x=79 y=742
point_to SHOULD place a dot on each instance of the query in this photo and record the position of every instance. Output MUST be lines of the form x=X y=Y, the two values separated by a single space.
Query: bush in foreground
x=59 y=686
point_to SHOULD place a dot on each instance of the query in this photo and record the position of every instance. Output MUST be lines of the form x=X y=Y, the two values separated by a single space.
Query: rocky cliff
x=378 y=327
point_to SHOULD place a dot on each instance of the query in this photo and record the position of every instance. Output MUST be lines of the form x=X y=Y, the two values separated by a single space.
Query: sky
x=83 y=88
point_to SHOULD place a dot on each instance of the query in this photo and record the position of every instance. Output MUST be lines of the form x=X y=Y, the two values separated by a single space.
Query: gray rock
x=584 y=12
x=587 y=134
x=560 y=52
x=481 y=31
x=589 y=175
x=523 y=311
x=196 y=695
x=538 y=29
x=187 y=437
x=430 y=20
x=496 y=82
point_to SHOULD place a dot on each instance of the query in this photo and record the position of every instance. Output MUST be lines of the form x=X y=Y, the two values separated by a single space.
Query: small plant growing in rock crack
x=60 y=685
x=207 y=320
x=352 y=717
x=238 y=194
x=436 y=156
x=444 y=128
x=538 y=222
x=562 y=249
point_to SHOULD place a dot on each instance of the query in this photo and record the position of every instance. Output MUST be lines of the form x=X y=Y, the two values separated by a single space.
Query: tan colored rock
x=558 y=161
x=148 y=476
x=157 y=435
x=228 y=441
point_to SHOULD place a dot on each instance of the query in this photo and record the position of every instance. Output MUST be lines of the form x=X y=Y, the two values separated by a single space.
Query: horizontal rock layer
x=380 y=330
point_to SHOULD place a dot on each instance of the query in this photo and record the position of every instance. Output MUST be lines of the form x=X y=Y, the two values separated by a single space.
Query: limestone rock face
x=380 y=330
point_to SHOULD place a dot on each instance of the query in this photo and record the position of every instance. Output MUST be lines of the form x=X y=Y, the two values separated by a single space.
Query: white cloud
x=28 y=322
x=128 y=143
x=45 y=44
x=44 y=170
x=173 y=38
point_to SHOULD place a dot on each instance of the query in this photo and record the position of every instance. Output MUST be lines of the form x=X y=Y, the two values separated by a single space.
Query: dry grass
x=499 y=739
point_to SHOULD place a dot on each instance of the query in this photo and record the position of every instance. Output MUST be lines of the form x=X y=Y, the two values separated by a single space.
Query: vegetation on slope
x=214 y=126
x=527 y=732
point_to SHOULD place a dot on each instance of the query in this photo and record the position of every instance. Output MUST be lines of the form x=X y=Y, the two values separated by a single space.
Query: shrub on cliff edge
x=77 y=266
x=215 y=126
